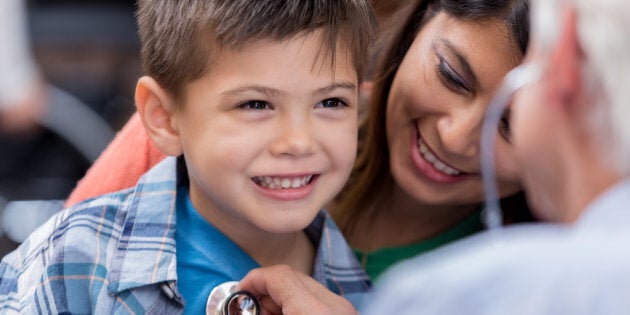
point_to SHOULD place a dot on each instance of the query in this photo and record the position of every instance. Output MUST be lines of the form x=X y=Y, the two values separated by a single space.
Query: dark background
x=89 y=49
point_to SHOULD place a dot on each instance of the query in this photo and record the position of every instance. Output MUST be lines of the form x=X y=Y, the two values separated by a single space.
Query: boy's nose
x=294 y=139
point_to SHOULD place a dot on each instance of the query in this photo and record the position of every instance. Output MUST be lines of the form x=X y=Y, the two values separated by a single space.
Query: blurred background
x=88 y=55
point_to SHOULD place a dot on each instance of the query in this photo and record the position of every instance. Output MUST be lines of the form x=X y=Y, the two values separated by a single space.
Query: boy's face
x=270 y=133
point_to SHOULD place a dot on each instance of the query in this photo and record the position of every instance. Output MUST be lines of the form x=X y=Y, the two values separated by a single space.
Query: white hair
x=603 y=28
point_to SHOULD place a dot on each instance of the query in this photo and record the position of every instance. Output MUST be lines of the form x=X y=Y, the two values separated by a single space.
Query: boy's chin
x=286 y=224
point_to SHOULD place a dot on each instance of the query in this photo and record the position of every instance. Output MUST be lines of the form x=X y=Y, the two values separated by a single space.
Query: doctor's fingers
x=282 y=290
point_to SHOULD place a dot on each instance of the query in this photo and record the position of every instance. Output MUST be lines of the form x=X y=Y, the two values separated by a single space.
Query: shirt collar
x=145 y=253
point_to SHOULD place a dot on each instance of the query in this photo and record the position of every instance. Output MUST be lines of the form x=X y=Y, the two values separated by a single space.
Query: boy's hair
x=179 y=36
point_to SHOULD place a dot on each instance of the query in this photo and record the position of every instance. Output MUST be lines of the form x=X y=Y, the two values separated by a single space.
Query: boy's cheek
x=346 y=148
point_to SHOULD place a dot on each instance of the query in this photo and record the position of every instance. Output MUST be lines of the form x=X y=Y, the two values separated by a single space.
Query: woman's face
x=436 y=107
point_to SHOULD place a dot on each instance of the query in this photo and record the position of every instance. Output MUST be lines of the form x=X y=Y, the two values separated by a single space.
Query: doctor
x=570 y=130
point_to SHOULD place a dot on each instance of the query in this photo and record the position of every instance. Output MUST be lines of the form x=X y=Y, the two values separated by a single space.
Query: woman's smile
x=430 y=165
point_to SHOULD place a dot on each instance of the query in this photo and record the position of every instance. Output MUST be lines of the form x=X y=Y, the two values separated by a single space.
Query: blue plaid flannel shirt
x=115 y=254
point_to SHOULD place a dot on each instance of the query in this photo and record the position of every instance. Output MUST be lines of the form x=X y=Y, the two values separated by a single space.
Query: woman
x=416 y=183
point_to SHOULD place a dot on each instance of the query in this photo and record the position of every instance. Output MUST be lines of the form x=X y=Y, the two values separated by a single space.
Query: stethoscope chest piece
x=226 y=299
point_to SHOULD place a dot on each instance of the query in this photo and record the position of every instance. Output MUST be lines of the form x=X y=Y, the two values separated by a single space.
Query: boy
x=256 y=102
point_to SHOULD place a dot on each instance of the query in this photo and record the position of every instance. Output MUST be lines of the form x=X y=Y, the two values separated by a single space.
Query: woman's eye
x=504 y=125
x=332 y=103
x=450 y=77
x=255 y=105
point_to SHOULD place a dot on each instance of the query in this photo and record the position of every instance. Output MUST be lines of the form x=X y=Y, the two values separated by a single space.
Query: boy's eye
x=451 y=78
x=255 y=105
x=332 y=103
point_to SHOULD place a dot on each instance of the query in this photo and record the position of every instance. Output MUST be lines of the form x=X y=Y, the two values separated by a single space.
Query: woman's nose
x=460 y=132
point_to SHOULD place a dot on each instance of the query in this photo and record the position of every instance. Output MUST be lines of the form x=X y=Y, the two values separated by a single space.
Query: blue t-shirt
x=205 y=256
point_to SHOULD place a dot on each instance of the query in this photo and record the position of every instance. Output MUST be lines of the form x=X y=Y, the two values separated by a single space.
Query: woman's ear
x=157 y=111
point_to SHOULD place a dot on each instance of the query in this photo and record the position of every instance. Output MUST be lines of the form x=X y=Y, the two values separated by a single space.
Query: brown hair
x=371 y=181
x=179 y=36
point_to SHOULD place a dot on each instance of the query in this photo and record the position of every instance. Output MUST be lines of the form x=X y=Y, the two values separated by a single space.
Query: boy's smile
x=286 y=187
x=269 y=134
x=282 y=182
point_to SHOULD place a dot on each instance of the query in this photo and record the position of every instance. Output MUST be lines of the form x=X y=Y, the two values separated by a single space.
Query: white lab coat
x=532 y=269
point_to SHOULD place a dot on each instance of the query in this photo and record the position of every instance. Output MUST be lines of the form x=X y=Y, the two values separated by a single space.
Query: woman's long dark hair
x=371 y=179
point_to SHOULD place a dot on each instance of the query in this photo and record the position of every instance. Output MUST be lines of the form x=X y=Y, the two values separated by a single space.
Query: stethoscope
x=514 y=81
x=227 y=299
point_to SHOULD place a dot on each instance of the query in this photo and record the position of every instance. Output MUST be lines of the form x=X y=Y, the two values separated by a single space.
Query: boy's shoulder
x=74 y=231
x=120 y=241
x=106 y=220
x=68 y=245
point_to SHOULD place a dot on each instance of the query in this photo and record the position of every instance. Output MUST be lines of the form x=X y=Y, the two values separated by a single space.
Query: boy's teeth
x=285 y=183
x=274 y=182
x=439 y=165
x=297 y=182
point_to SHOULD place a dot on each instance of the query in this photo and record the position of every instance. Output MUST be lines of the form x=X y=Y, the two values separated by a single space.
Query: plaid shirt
x=115 y=254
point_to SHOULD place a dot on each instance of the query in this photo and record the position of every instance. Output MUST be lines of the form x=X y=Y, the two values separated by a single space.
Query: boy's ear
x=157 y=110
x=565 y=65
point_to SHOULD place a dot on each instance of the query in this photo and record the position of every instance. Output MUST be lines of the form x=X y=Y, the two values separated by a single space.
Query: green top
x=376 y=262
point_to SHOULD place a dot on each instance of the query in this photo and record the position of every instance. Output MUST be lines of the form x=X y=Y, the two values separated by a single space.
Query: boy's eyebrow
x=463 y=61
x=344 y=85
x=271 y=92
x=256 y=88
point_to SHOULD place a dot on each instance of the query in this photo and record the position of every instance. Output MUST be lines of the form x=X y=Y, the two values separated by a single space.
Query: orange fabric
x=125 y=159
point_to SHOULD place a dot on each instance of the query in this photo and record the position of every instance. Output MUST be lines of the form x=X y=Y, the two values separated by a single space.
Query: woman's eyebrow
x=463 y=61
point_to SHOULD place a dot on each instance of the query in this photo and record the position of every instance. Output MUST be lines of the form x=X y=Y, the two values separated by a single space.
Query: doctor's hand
x=282 y=290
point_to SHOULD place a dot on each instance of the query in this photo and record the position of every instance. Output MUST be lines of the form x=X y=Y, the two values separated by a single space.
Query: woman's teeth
x=275 y=182
x=433 y=160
